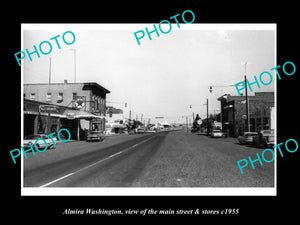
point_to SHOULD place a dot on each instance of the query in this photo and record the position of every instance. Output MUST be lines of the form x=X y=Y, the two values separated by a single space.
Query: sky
x=162 y=77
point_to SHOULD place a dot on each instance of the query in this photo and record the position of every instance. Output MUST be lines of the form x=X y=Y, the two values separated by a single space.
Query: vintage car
x=247 y=138
x=216 y=133
x=94 y=136
x=40 y=144
x=140 y=130
x=264 y=138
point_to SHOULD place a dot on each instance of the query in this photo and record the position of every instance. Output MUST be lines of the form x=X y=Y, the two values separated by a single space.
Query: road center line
x=100 y=161
x=115 y=154
x=56 y=180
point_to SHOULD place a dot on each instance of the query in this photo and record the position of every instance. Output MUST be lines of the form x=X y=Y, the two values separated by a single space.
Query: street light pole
x=73 y=49
x=247 y=109
x=247 y=101
x=187 y=124
x=49 y=71
x=207 y=115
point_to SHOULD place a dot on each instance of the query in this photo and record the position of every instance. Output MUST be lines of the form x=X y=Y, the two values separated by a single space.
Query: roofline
x=84 y=83
x=236 y=97
x=97 y=85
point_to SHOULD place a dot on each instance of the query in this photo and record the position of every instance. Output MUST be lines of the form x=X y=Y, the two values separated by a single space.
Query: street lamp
x=73 y=49
x=247 y=101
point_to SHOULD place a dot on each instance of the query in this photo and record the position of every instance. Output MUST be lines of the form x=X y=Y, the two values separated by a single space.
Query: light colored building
x=115 y=120
x=90 y=97
x=79 y=98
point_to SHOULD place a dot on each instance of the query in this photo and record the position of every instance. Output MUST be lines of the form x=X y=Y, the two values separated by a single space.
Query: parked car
x=94 y=136
x=264 y=138
x=40 y=144
x=216 y=133
x=150 y=131
x=247 y=138
x=141 y=130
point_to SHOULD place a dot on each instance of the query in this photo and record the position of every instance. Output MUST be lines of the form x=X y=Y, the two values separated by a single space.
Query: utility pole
x=48 y=115
x=73 y=49
x=74 y=65
x=207 y=115
x=49 y=70
x=247 y=101
x=247 y=108
x=187 y=124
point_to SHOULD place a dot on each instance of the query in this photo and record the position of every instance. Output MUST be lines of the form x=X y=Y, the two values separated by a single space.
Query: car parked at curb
x=264 y=138
x=217 y=133
x=94 y=136
x=40 y=144
x=247 y=138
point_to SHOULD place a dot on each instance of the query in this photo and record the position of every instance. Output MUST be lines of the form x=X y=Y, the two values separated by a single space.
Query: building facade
x=76 y=106
x=233 y=112
x=90 y=97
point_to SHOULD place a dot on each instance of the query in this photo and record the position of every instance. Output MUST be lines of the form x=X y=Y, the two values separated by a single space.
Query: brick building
x=233 y=112
x=79 y=106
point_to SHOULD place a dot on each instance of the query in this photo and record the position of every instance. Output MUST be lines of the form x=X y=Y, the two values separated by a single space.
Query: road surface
x=166 y=159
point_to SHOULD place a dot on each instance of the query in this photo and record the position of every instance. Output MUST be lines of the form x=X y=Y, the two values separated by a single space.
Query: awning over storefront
x=79 y=114
x=69 y=114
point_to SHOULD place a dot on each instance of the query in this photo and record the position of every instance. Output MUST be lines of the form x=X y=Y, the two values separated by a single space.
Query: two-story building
x=84 y=104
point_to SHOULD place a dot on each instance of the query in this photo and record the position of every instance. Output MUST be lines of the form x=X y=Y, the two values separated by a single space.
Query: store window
x=48 y=97
x=60 y=97
x=32 y=96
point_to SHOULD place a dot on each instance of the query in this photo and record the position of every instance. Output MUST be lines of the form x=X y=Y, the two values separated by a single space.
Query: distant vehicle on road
x=141 y=130
x=216 y=133
x=150 y=131
x=94 y=136
x=247 y=138
x=40 y=144
x=264 y=138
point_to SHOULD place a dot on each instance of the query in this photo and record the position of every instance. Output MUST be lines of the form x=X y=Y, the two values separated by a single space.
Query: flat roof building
x=89 y=96
x=233 y=112
x=84 y=106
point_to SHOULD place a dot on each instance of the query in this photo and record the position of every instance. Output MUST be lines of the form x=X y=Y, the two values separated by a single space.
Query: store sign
x=70 y=116
x=79 y=102
x=48 y=108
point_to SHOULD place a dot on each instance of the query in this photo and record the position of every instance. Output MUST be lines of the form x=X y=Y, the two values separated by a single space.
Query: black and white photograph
x=148 y=109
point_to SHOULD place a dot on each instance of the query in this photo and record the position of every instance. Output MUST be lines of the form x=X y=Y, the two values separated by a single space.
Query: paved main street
x=165 y=159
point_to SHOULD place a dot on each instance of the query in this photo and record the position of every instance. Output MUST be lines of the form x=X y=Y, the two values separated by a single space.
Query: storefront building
x=75 y=106
x=233 y=112
x=42 y=118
